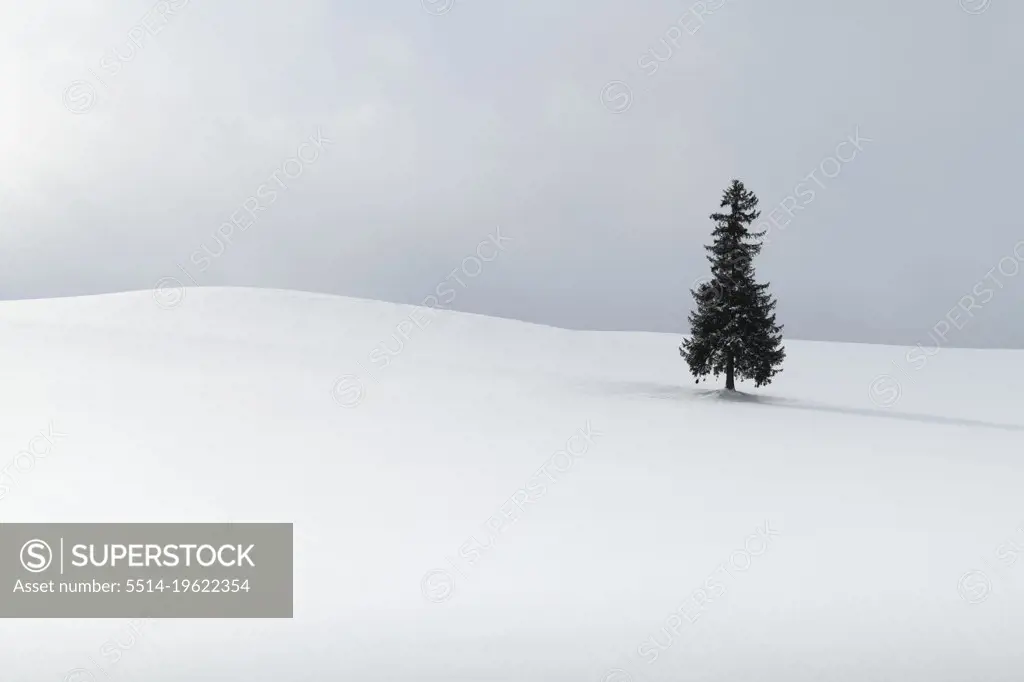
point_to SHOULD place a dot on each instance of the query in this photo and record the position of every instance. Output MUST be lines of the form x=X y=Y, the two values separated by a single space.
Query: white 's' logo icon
x=36 y=556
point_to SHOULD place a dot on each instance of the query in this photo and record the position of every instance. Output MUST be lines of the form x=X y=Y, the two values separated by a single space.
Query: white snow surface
x=224 y=409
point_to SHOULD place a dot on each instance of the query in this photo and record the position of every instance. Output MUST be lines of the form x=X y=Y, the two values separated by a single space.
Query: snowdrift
x=485 y=499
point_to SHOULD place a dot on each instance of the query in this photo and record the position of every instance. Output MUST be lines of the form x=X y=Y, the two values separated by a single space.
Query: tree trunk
x=730 y=385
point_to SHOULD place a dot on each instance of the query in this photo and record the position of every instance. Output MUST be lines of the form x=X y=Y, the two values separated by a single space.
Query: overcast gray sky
x=125 y=149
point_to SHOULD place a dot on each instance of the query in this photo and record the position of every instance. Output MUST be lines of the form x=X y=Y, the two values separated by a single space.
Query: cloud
x=491 y=113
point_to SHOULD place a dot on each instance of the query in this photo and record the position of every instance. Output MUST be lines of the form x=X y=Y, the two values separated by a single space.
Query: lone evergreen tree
x=733 y=330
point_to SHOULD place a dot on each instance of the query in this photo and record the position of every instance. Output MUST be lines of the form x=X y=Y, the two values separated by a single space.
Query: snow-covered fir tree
x=733 y=330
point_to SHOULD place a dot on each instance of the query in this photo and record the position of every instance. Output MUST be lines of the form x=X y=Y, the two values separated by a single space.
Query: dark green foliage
x=733 y=330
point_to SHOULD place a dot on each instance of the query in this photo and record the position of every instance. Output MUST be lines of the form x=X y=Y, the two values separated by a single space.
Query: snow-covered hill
x=832 y=526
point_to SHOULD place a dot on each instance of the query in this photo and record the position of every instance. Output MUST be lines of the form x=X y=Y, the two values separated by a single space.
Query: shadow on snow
x=674 y=392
